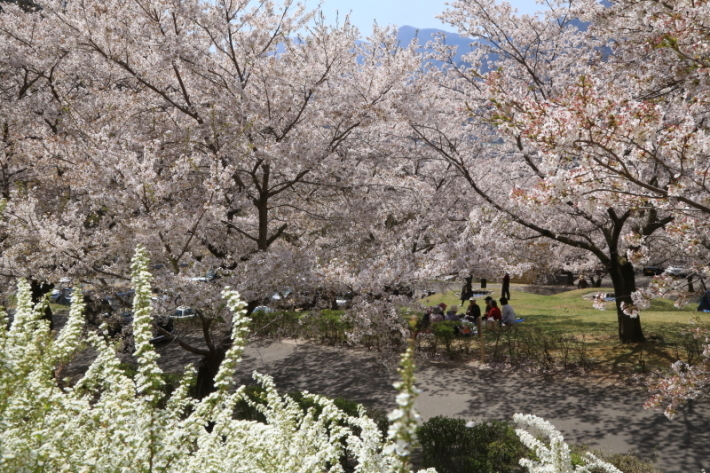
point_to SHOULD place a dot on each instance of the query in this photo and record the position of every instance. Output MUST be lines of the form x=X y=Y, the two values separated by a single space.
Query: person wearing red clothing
x=488 y=300
x=495 y=312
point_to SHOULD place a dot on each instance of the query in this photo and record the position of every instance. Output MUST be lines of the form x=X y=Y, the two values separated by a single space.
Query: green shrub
x=278 y=323
x=445 y=332
x=628 y=462
x=451 y=447
x=331 y=326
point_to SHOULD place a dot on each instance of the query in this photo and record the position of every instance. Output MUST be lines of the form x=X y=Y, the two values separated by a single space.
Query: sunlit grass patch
x=569 y=315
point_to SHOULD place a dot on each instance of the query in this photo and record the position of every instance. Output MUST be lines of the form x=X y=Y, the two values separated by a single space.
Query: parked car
x=124 y=299
x=61 y=296
x=345 y=300
x=167 y=325
x=209 y=277
x=125 y=318
x=652 y=270
x=264 y=309
x=677 y=270
x=183 y=312
x=281 y=295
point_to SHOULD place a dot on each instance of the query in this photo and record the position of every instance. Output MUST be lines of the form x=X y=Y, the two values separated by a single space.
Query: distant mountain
x=407 y=33
x=464 y=45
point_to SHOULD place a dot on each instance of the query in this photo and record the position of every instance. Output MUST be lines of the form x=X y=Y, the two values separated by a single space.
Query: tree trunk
x=209 y=367
x=624 y=281
x=39 y=290
x=263 y=207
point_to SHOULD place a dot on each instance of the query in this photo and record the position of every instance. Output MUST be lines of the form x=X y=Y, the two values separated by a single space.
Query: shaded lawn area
x=568 y=314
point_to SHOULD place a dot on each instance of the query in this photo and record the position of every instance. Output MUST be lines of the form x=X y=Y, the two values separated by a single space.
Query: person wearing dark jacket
x=451 y=314
x=467 y=290
x=474 y=311
x=505 y=288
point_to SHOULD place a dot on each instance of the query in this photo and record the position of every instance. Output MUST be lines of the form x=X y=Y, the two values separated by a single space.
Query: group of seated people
x=492 y=317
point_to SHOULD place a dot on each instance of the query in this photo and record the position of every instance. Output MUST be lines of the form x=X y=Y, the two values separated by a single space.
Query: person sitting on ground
x=425 y=321
x=443 y=307
x=487 y=312
x=436 y=315
x=704 y=305
x=473 y=312
x=451 y=313
x=495 y=312
x=508 y=314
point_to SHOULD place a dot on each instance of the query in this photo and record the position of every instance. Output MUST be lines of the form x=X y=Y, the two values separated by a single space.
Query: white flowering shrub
x=108 y=422
x=553 y=457
x=405 y=419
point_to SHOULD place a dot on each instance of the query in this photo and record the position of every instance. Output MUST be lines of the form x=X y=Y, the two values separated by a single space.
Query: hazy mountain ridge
x=463 y=44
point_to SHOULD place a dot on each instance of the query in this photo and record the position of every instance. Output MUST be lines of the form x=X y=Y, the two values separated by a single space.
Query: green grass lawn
x=570 y=315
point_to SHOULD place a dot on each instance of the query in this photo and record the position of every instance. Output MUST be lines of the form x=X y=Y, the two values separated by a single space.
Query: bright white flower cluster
x=110 y=422
x=555 y=457
x=405 y=419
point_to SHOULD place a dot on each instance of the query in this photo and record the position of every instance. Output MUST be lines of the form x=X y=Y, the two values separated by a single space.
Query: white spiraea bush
x=108 y=422
x=555 y=457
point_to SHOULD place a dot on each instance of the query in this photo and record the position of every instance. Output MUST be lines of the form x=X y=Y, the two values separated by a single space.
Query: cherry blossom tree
x=247 y=137
x=655 y=124
x=30 y=78
x=251 y=123
x=631 y=123
x=477 y=123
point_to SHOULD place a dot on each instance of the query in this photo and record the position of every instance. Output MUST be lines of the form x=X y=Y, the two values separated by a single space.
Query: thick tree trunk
x=624 y=281
x=209 y=367
x=39 y=290
x=263 y=207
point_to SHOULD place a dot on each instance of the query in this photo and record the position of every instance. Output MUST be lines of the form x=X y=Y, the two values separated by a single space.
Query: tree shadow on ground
x=609 y=417
x=355 y=375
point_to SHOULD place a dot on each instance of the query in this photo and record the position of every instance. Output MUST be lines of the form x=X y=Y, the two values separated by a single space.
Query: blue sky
x=418 y=13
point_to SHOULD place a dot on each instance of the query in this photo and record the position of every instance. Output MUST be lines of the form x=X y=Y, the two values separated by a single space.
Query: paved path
x=608 y=417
